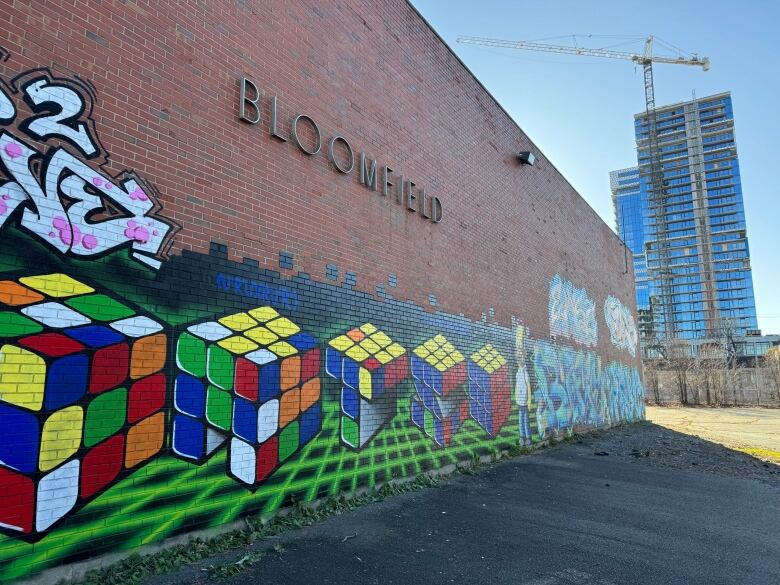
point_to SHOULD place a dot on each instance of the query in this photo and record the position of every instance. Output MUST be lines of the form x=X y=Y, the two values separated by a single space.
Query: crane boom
x=652 y=167
x=702 y=62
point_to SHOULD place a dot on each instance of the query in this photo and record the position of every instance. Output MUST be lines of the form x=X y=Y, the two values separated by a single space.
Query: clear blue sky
x=579 y=110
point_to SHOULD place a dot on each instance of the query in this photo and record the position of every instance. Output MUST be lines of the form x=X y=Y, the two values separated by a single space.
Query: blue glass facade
x=700 y=222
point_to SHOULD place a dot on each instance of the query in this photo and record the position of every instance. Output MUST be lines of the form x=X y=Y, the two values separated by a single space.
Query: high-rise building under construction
x=688 y=236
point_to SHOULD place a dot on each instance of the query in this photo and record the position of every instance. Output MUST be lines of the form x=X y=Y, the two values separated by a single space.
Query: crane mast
x=651 y=168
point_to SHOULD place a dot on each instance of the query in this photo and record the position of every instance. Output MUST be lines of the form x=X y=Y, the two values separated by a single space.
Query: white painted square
x=57 y=494
x=137 y=326
x=267 y=420
x=242 y=461
x=210 y=331
x=55 y=315
x=260 y=357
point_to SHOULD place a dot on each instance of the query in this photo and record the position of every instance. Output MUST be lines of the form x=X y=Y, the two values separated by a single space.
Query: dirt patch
x=651 y=444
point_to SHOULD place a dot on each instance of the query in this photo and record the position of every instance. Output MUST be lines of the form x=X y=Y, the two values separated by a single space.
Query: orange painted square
x=13 y=293
x=290 y=373
x=310 y=393
x=289 y=407
x=148 y=355
x=356 y=335
x=145 y=439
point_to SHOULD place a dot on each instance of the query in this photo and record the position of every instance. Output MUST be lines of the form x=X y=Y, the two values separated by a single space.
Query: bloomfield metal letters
x=406 y=192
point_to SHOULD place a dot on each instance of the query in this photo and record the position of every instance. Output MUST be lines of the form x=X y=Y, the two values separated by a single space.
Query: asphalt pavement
x=562 y=516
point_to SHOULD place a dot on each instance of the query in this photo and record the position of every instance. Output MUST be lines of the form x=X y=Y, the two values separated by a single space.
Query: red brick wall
x=159 y=83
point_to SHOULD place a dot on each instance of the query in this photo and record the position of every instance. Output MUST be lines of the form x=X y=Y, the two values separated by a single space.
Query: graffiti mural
x=369 y=365
x=250 y=378
x=82 y=391
x=621 y=325
x=146 y=393
x=52 y=183
x=572 y=312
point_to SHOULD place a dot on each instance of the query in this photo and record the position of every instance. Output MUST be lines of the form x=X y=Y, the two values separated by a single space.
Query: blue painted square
x=332 y=272
x=418 y=413
x=188 y=437
x=19 y=439
x=269 y=382
x=189 y=395
x=438 y=431
x=303 y=342
x=350 y=278
x=433 y=378
x=310 y=423
x=418 y=368
x=333 y=363
x=94 y=336
x=245 y=420
x=66 y=381
x=350 y=402
x=350 y=372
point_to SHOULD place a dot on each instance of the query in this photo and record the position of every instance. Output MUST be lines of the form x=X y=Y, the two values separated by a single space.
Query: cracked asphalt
x=654 y=507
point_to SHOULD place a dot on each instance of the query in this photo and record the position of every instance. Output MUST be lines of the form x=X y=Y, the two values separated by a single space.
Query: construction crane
x=651 y=169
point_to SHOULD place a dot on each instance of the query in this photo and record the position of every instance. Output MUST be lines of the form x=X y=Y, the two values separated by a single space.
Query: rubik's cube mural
x=489 y=391
x=369 y=365
x=250 y=379
x=440 y=404
x=82 y=391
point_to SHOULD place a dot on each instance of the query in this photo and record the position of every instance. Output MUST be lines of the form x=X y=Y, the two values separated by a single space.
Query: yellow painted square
x=22 y=377
x=60 y=437
x=368 y=328
x=56 y=285
x=440 y=354
x=238 y=322
x=261 y=335
x=369 y=346
x=381 y=338
x=439 y=366
x=395 y=350
x=364 y=383
x=457 y=356
x=263 y=314
x=448 y=347
x=383 y=357
x=431 y=359
x=282 y=349
x=283 y=327
x=420 y=351
x=448 y=362
x=440 y=339
x=238 y=344
x=357 y=353
x=341 y=343
x=431 y=345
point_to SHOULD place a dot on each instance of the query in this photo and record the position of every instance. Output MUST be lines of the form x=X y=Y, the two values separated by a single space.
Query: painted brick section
x=199 y=321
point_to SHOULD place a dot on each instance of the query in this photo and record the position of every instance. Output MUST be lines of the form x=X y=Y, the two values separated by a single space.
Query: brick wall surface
x=205 y=321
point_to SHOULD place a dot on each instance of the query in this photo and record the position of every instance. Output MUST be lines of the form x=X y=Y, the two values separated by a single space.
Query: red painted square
x=247 y=379
x=17 y=501
x=101 y=465
x=396 y=371
x=51 y=344
x=453 y=378
x=310 y=364
x=109 y=368
x=146 y=397
x=267 y=458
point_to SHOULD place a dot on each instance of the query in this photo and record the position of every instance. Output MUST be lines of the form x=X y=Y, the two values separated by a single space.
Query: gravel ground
x=650 y=444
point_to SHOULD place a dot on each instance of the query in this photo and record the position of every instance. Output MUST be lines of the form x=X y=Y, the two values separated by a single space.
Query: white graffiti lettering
x=75 y=208
x=622 y=328
x=572 y=312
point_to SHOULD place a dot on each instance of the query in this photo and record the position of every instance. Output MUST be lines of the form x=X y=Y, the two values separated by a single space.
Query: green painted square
x=191 y=355
x=219 y=408
x=288 y=440
x=14 y=325
x=105 y=416
x=350 y=431
x=99 y=307
x=220 y=367
x=429 y=423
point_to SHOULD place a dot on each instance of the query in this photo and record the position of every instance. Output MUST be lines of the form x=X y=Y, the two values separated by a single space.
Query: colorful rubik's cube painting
x=489 y=391
x=82 y=390
x=250 y=379
x=369 y=365
x=440 y=404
